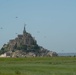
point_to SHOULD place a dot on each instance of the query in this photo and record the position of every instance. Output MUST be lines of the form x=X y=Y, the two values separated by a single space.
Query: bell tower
x=24 y=34
x=24 y=31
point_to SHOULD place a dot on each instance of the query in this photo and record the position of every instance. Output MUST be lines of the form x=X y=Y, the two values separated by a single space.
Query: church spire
x=24 y=31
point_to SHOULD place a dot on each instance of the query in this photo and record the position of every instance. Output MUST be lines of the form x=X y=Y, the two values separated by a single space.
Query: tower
x=24 y=31
x=24 y=35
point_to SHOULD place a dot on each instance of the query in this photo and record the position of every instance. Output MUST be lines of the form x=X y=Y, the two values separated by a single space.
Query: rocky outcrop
x=41 y=53
x=24 y=45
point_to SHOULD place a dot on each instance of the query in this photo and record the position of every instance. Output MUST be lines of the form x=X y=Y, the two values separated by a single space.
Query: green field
x=38 y=66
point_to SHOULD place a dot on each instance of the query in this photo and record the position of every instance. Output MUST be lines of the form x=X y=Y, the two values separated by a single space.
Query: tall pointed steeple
x=24 y=31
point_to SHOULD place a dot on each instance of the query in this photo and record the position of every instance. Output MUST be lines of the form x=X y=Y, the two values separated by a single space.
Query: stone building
x=24 y=39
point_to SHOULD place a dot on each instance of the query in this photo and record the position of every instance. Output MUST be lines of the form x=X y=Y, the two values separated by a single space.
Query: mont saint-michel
x=24 y=45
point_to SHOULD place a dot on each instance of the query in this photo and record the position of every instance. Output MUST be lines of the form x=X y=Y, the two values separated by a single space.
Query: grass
x=38 y=66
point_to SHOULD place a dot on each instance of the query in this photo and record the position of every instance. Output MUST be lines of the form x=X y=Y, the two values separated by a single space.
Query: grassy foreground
x=38 y=66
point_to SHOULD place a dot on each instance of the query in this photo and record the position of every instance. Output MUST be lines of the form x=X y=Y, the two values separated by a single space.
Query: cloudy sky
x=51 y=22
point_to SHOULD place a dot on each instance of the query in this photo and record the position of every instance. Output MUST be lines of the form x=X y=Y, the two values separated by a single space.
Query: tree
x=22 y=47
x=2 y=50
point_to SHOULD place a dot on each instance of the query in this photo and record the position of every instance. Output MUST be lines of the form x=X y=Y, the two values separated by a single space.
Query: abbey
x=22 y=40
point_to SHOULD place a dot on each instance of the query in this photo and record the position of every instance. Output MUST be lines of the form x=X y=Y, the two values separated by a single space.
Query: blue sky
x=51 y=22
